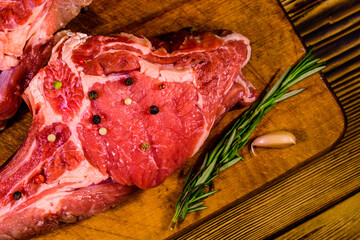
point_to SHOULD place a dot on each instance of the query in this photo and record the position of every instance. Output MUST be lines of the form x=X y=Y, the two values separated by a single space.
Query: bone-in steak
x=111 y=114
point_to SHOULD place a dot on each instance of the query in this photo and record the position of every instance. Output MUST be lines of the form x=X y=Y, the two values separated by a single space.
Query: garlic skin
x=276 y=139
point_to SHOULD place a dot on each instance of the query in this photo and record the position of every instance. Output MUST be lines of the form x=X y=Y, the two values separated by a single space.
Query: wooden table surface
x=321 y=200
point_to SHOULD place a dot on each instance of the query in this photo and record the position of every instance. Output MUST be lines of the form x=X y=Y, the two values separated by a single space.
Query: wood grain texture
x=250 y=213
x=339 y=222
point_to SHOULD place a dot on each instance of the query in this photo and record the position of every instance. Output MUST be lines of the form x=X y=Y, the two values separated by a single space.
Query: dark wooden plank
x=333 y=30
x=339 y=222
x=336 y=47
x=312 y=15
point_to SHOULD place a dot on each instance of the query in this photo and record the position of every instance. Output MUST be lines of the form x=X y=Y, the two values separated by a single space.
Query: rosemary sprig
x=225 y=153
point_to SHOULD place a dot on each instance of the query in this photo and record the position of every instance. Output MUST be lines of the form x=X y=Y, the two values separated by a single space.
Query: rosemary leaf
x=289 y=95
x=196 y=205
x=229 y=164
x=202 y=196
x=229 y=142
x=204 y=162
x=197 y=209
x=276 y=85
x=206 y=173
x=307 y=74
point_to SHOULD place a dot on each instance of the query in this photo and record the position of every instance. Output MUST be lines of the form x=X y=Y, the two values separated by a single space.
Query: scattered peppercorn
x=93 y=95
x=84 y=9
x=17 y=195
x=40 y=179
x=161 y=86
x=127 y=101
x=96 y=119
x=129 y=81
x=83 y=61
x=145 y=146
x=154 y=109
x=190 y=29
x=51 y=137
x=57 y=84
x=103 y=131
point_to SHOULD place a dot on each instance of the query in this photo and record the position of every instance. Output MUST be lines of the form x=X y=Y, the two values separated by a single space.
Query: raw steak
x=26 y=40
x=112 y=114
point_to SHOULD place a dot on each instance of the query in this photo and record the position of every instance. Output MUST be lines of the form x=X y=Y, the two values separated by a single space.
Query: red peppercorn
x=82 y=61
x=40 y=179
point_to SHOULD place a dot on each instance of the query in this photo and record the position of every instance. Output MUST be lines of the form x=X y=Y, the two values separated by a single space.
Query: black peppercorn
x=96 y=119
x=154 y=109
x=17 y=195
x=129 y=81
x=93 y=95
x=84 y=9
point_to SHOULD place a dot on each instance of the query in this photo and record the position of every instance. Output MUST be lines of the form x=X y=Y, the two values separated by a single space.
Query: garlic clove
x=276 y=139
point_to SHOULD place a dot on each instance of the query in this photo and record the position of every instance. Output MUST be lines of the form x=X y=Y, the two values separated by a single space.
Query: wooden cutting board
x=313 y=116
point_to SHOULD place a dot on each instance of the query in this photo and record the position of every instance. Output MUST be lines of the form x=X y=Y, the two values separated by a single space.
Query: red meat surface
x=191 y=79
x=26 y=40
